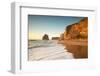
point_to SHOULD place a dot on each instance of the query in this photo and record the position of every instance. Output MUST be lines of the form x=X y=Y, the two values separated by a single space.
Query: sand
x=55 y=52
x=79 y=48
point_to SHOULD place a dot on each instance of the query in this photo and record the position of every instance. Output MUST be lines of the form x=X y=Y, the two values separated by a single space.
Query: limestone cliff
x=77 y=30
x=75 y=38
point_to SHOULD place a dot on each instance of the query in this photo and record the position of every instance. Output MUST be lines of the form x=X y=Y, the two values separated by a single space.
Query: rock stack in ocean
x=45 y=37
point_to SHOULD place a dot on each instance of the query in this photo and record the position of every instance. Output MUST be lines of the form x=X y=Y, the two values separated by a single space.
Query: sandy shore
x=79 y=48
x=54 y=52
x=75 y=42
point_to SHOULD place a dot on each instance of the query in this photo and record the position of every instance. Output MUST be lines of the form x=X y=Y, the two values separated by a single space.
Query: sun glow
x=34 y=36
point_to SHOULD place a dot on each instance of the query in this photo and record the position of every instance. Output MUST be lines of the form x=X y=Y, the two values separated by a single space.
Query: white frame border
x=16 y=29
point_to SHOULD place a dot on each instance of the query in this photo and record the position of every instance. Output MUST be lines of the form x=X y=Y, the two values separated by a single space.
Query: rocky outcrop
x=61 y=37
x=45 y=37
x=75 y=38
x=55 y=38
x=77 y=30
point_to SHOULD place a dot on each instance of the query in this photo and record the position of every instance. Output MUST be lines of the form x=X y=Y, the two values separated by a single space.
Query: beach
x=79 y=48
x=48 y=50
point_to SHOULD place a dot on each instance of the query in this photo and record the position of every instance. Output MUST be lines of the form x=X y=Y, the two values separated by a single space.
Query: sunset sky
x=51 y=25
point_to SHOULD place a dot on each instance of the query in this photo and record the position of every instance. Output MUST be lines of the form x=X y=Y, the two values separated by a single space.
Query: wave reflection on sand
x=47 y=50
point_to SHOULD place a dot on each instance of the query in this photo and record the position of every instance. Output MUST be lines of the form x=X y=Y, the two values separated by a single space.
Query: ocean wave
x=42 y=43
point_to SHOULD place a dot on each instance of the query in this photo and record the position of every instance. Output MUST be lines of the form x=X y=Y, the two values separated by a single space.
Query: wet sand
x=79 y=48
x=54 y=52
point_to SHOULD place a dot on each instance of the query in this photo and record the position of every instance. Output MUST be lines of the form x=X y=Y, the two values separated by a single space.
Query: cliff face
x=75 y=38
x=61 y=36
x=77 y=30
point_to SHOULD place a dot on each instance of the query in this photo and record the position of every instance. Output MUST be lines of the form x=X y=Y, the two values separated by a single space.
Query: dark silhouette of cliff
x=55 y=38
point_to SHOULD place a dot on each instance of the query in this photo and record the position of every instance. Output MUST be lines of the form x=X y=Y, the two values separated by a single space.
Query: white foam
x=52 y=51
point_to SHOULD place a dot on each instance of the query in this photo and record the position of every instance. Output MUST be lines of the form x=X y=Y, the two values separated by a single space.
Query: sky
x=51 y=25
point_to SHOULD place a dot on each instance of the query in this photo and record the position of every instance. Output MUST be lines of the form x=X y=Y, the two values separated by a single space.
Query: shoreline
x=53 y=51
x=79 y=48
x=74 y=42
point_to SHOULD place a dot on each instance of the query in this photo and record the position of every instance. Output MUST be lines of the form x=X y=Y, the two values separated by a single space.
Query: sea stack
x=45 y=37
